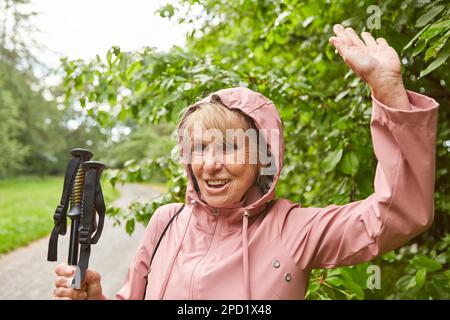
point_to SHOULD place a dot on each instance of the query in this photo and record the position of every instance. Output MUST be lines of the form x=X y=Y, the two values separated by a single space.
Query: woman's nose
x=213 y=160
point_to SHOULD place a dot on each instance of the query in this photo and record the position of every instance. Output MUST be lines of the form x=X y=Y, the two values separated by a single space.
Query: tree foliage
x=280 y=48
x=11 y=150
x=34 y=133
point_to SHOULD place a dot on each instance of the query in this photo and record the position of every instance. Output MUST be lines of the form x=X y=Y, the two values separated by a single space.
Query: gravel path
x=26 y=274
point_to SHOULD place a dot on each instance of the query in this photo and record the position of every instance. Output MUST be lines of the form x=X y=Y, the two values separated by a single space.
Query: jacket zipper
x=194 y=277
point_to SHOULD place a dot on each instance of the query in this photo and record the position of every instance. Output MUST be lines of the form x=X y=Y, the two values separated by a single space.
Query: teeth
x=217 y=182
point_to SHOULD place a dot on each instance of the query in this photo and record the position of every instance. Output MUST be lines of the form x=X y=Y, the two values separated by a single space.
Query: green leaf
x=390 y=256
x=427 y=17
x=435 y=29
x=414 y=39
x=136 y=66
x=403 y=282
x=109 y=57
x=350 y=163
x=421 y=275
x=112 y=99
x=129 y=162
x=441 y=58
x=341 y=95
x=429 y=264
x=411 y=284
x=436 y=46
x=130 y=226
x=353 y=287
x=332 y=160
x=334 y=272
x=166 y=11
x=419 y=47
x=335 y=281
x=313 y=287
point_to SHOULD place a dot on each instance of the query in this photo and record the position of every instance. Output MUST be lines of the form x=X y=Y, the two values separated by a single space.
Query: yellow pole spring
x=78 y=187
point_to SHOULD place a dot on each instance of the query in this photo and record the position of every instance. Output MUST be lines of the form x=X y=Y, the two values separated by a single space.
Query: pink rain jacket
x=265 y=248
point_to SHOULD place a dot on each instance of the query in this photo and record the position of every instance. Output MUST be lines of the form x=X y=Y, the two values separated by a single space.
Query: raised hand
x=375 y=62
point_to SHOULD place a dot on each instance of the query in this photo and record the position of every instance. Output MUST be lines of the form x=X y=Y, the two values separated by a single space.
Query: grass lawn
x=27 y=205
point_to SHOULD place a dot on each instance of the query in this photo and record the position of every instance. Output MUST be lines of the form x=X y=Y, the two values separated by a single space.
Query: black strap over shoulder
x=158 y=243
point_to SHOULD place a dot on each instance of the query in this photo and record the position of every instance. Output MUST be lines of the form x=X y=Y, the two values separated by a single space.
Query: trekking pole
x=82 y=191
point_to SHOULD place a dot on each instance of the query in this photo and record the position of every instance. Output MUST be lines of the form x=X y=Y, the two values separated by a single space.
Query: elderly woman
x=233 y=240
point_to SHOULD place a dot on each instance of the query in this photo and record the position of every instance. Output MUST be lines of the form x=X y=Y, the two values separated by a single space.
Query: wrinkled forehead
x=199 y=132
x=210 y=121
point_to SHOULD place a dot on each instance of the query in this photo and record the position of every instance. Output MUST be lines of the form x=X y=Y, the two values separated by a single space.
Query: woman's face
x=222 y=179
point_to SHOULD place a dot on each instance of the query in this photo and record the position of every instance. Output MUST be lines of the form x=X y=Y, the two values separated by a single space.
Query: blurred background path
x=26 y=274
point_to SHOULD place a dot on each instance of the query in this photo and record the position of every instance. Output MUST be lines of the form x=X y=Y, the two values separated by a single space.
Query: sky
x=84 y=28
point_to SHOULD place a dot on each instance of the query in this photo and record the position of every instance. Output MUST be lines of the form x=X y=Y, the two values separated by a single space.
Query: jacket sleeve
x=401 y=207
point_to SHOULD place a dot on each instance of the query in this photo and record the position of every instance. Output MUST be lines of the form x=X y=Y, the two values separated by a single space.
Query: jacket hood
x=267 y=120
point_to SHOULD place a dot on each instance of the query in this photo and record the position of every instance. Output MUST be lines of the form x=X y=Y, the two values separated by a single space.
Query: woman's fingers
x=368 y=39
x=79 y=295
x=64 y=270
x=382 y=41
x=340 y=32
x=61 y=298
x=348 y=37
x=335 y=40
x=62 y=281
x=66 y=282
x=63 y=284
x=354 y=37
x=73 y=294
x=94 y=288
x=339 y=45
x=91 y=276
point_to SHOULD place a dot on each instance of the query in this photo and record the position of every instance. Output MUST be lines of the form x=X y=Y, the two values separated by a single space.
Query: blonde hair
x=214 y=115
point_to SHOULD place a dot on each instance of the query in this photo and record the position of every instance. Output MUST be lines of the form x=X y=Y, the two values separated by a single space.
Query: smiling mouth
x=217 y=184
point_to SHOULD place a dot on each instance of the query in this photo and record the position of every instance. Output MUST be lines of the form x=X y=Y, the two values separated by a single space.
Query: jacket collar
x=231 y=216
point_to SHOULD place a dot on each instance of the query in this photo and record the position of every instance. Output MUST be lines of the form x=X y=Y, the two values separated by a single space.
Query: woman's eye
x=229 y=147
x=199 y=147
